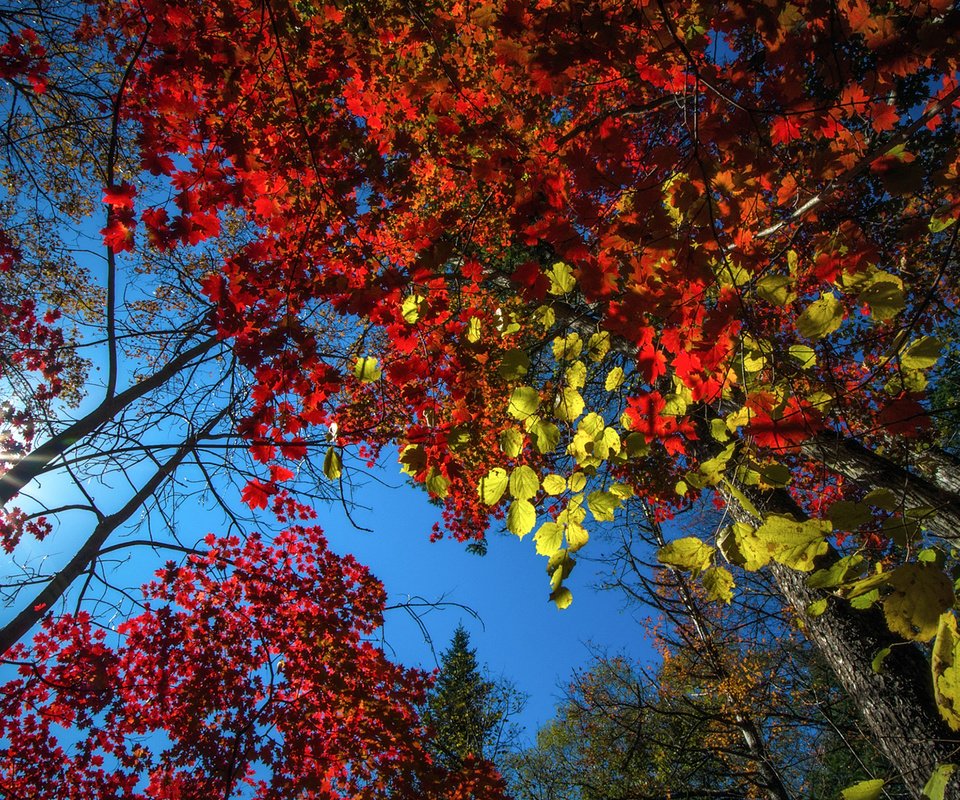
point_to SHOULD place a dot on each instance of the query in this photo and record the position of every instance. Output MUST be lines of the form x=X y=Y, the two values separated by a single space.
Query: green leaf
x=864 y=790
x=332 y=464
x=920 y=594
x=885 y=297
x=511 y=442
x=775 y=474
x=561 y=279
x=521 y=517
x=524 y=483
x=823 y=316
x=568 y=404
x=877 y=664
x=936 y=787
x=493 y=485
x=562 y=597
x=718 y=430
x=942 y=220
x=731 y=545
x=554 y=484
x=902 y=530
x=744 y=501
x=514 y=365
x=524 y=402
x=922 y=354
x=777 y=290
x=842 y=571
x=689 y=554
x=366 y=369
x=718 y=583
x=848 y=516
x=548 y=538
x=865 y=601
x=817 y=607
x=945 y=663
x=882 y=498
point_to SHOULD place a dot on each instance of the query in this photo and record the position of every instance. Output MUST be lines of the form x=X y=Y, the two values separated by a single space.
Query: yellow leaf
x=548 y=538
x=719 y=584
x=598 y=346
x=410 y=309
x=568 y=404
x=864 y=790
x=577 y=536
x=689 y=554
x=920 y=594
x=474 y=329
x=804 y=354
x=524 y=402
x=776 y=290
x=545 y=435
x=562 y=597
x=554 y=484
x=614 y=379
x=576 y=375
x=437 y=485
x=413 y=458
x=922 y=354
x=945 y=663
x=566 y=348
x=521 y=517
x=511 y=442
x=367 y=369
x=524 y=483
x=561 y=279
x=794 y=544
x=493 y=485
x=332 y=464
x=884 y=295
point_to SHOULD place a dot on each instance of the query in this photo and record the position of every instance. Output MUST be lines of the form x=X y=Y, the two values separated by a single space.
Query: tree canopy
x=569 y=258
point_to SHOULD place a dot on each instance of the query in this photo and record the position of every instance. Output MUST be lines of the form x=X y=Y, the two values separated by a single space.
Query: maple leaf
x=256 y=494
x=120 y=196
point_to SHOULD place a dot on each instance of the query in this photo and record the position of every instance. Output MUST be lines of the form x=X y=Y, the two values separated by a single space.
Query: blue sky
x=518 y=632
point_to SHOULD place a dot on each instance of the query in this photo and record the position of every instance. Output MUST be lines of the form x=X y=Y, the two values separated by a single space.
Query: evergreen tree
x=467 y=713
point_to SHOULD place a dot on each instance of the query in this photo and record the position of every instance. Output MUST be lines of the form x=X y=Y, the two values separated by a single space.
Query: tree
x=740 y=227
x=246 y=674
x=468 y=714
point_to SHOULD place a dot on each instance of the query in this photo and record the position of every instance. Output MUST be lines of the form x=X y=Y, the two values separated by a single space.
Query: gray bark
x=849 y=458
x=896 y=703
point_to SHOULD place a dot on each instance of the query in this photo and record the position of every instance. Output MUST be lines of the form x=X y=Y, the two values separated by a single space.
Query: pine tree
x=467 y=713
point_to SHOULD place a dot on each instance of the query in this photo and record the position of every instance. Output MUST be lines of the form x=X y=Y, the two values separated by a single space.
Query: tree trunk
x=849 y=458
x=896 y=703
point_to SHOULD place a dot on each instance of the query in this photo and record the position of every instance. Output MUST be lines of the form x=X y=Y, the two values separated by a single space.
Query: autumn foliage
x=599 y=251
